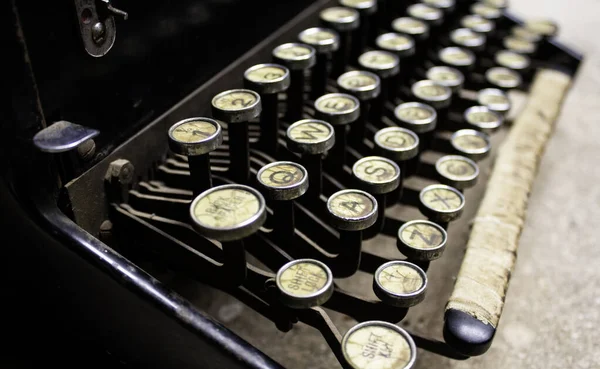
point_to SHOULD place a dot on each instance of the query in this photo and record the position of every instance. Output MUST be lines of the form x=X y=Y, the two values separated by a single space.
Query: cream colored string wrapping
x=491 y=251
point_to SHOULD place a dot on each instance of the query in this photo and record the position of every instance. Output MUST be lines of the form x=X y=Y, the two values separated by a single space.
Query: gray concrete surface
x=553 y=305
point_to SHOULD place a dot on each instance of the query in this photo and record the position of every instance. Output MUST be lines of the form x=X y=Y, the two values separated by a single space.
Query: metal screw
x=98 y=32
x=87 y=150
x=120 y=170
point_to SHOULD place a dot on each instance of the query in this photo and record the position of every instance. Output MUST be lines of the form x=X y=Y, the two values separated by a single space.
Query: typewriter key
x=483 y=119
x=311 y=138
x=415 y=28
x=325 y=42
x=297 y=58
x=430 y=15
x=457 y=171
x=421 y=240
x=417 y=117
x=236 y=108
x=366 y=9
x=304 y=283
x=495 y=100
x=378 y=176
x=477 y=23
x=500 y=4
x=503 y=78
x=365 y=86
x=378 y=344
x=433 y=94
x=344 y=20
x=399 y=145
x=447 y=6
x=352 y=210
x=282 y=182
x=386 y=65
x=441 y=203
x=401 y=45
x=457 y=57
x=446 y=76
x=519 y=45
x=470 y=143
x=512 y=60
x=268 y=80
x=469 y=39
x=228 y=212
x=544 y=27
x=195 y=138
x=486 y=11
x=524 y=33
x=400 y=283
x=339 y=110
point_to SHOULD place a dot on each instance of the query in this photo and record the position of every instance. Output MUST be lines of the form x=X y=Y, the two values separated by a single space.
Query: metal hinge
x=97 y=25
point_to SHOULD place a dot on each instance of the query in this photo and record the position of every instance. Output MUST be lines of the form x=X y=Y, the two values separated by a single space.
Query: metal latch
x=97 y=25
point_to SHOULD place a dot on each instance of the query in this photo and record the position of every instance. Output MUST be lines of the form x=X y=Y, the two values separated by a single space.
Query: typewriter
x=354 y=173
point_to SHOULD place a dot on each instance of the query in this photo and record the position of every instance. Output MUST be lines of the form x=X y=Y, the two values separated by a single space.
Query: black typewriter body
x=97 y=234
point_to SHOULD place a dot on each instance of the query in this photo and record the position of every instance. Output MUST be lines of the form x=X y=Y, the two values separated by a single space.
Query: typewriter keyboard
x=346 y=152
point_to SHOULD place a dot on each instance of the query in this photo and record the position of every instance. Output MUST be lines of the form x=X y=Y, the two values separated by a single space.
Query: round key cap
x=376 y=175
x=283 y=180
x=398 y=144
x=421 y=240
x=446 y=76
x=362 y=84
x=413 y=27
x=426 y=13
x=366 y=7
x=383 y=63
x=365 y=86
x=337 y=108
x=432 y=93
x=235 y=106
x=471 y=143
x=195 y=138
x=352 y=210
x=495 y=100
x=325 y=42
x=477 y=23
x=295 y=56
x=457 y=171
x=268 y=80
x=441 y=203
x=445 y=5
x=503 y=78
x=467 y=38
x=500 y=4
x=512 y=60
x=486 y=11
x=228 y=212
x=520 y=31
x=519 y=45
x=340 y=18
x=400 y=283
x=397 y=43
x=483 y=119
x=298 y=58
x=304 y=283
x=544 y=27
x=417 y=117
x=310 y=136
x=457 y=57
x=378 y=344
